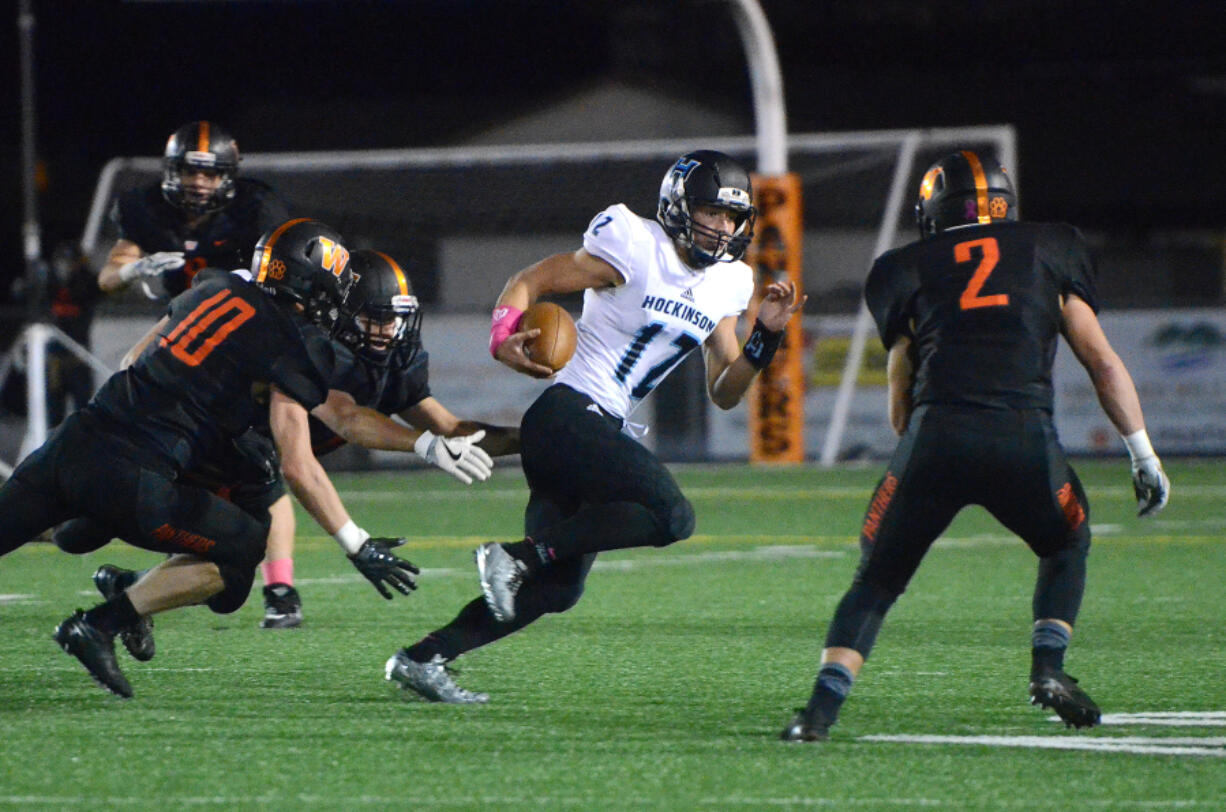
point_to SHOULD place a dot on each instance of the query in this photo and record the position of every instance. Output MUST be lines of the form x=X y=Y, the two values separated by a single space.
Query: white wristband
x=128 y=272
x=351 y=537
x=422 y=444
x=1138 y=444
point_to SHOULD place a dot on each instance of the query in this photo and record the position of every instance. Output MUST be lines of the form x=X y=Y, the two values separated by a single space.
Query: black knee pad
x=80 y=536
x=238 y=581
x=560 y=600
x=680 y=522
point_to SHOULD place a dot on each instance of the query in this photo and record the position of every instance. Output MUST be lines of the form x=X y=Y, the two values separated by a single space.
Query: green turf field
x=666 y=688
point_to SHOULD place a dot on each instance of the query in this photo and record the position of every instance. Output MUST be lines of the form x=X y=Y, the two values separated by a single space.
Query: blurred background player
x=201 y=215
x=654 y=291
x=380 y=363
x=183 y=403
x=971 y=314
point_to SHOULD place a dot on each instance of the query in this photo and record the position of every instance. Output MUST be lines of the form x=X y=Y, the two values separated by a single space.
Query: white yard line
x=1136 y=745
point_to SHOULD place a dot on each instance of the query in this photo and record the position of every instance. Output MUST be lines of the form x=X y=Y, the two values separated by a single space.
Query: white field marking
x=15 y=598
x=755 y=493
x=1166 y=718
x=1135 y=745
x=761 y=554
x=553 y=800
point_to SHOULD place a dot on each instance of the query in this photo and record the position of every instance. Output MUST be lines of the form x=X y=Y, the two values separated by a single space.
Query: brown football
x=556 y=343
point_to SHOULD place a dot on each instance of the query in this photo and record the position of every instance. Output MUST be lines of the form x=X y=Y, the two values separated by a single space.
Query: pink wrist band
x=505 y=321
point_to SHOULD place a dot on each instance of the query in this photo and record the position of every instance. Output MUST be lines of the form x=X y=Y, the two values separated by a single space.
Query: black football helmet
x=962 y=189
x=382 y=316
x=707 y=178
x=200 y=145
x=305 y=262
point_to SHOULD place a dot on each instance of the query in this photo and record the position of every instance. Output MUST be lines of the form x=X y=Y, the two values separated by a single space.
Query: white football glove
x=1151 y=485
x=458 y=456
x=152 y=265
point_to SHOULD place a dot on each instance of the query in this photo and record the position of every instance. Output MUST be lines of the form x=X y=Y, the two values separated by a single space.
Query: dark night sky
x=1119 y=116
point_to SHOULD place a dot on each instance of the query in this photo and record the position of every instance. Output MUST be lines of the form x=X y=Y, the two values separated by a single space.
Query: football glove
x=458 y=456
x=380 y=567
x=152 y=265
x=1151 y=485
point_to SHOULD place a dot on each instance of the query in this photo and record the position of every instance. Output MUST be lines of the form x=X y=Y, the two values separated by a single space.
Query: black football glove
x=374 y=561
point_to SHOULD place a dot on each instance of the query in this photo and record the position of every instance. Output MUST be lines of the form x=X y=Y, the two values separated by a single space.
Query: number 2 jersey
x=631 y=336
x=203 y=382
x=983 y=308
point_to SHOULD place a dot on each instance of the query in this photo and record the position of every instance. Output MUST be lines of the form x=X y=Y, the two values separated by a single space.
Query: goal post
x=463 y=219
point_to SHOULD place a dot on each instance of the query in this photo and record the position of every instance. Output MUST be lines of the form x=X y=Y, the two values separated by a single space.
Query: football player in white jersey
x=653 y=291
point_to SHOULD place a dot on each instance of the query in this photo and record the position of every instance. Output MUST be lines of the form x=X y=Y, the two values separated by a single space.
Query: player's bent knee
x=681 y=521
x=563 y=599
x=238 y=582
x=80 y=536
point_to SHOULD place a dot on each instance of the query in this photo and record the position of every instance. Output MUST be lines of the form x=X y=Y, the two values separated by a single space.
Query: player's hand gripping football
x=779 y=304
x=152 y=265
x=458 y=456
x=512 y=353
x=375 y=561
x=1151 y=485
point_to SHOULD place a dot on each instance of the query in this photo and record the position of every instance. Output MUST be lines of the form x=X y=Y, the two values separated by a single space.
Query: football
x=556 y=343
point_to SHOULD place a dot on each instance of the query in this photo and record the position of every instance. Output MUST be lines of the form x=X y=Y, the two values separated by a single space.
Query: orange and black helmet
x=382 y=317
x=963 y=189
x=305 y=262
x=205 y=147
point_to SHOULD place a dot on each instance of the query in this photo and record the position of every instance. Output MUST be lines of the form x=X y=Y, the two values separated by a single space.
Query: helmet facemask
x=199 y=147
x=381 y=330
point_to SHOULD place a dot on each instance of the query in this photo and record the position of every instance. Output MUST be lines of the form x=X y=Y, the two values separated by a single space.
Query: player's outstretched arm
x=459 y=456
x=554 y=275
x=430 y=415
x=314 y=490
x=1118 y=396
x=731 y=368
x=126 y=263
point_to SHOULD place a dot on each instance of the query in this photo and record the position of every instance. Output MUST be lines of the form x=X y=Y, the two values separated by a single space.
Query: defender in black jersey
x=379 y=362
x=201 y=215
x=971 y=314
x=376 y=361
x=178 y=406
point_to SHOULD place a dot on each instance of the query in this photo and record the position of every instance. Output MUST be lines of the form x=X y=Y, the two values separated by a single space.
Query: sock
x=831 y=688
x=117 y=613
x=531 y=553
x=1049 y=640
x=278 y=571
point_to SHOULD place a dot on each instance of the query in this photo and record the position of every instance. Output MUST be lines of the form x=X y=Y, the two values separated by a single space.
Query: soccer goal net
x=461 y=220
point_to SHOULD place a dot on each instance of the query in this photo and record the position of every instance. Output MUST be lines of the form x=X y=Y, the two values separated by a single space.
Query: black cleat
x=1054 y=689
x=282 y=607
x=806 y=726
x=138 y=638
x=96 y=651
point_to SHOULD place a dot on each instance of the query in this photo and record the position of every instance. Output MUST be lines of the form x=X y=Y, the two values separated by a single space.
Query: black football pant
x=1011 y=463
x=84 y=470
x=592 y=489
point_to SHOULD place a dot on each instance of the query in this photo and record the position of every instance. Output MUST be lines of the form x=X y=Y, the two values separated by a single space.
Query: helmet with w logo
x=305 y=262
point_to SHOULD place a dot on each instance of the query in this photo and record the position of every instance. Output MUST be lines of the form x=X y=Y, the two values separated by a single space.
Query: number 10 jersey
x=631 y=336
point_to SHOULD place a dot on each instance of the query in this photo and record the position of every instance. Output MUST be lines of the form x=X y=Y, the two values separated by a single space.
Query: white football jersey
x=633 y=335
